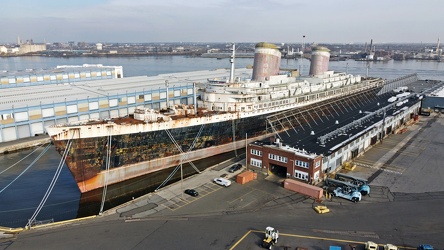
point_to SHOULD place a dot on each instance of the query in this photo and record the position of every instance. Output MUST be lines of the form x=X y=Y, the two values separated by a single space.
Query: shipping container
x=245 y=177
x=303 y=188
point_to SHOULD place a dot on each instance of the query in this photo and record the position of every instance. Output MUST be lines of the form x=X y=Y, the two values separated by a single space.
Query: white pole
x=232 y=64
x=246 y=150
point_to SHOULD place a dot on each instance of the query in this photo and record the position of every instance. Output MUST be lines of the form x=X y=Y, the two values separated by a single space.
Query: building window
x=318 y=163
x=278 y=158
x=301 y=175
x=302 y=164
x=256 y=163
x=256 y=152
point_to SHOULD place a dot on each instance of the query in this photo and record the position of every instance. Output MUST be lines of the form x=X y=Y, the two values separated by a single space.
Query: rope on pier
x=26 y=169
x=183 y=157
x=31 y=221
x=20 y=160
x=108 y=160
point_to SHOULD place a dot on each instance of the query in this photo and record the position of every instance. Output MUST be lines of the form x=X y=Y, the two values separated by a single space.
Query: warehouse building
x=61 y=75
x=434 y=102
x=320 y=138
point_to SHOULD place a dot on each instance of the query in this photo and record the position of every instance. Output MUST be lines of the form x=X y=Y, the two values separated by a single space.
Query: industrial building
x=50 y=99
x=434 y=102
x=64 y=74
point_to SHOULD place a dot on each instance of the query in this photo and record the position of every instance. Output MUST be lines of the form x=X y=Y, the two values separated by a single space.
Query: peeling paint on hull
x=140 y=154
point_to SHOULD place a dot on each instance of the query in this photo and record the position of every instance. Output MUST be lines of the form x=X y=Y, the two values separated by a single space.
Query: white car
x=222 y=181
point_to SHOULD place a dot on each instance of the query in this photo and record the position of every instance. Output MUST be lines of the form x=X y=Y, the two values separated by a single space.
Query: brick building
x=284 y=161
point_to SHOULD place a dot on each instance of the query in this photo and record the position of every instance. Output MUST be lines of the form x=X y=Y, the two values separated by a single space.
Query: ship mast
x=232 y=64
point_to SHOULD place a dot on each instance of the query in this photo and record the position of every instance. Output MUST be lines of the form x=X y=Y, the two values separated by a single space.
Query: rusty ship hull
x=133 y=155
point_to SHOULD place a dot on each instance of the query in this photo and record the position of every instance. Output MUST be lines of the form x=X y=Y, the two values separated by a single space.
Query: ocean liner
x=225 y=115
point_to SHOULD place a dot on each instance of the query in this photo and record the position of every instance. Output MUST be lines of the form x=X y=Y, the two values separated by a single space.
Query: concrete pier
x=11 y=146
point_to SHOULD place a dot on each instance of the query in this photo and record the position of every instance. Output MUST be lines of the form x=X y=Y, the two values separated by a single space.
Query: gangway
x=359 y=182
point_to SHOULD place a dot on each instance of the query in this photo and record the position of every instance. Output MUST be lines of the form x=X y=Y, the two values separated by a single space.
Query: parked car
x=235 y=167
x=222 y=181
x=425 y=247
x=191 y=192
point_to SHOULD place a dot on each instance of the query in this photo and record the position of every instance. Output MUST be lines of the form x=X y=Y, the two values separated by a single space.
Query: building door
x=354 y=153
x=278 y=170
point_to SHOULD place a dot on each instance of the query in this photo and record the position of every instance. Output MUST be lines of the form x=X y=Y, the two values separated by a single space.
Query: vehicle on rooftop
x=390 y=247
x=424 y=247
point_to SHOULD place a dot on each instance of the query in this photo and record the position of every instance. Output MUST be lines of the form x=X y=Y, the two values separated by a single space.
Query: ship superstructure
x=224 y=113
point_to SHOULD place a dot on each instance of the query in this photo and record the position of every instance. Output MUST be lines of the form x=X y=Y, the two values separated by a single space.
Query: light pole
x=167 y=84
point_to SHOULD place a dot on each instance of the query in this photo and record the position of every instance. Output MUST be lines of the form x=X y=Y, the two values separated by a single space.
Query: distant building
x=3 y=50
x=99 y=46
x=29 y=48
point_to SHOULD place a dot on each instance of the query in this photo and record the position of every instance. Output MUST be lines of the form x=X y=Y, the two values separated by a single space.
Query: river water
x=19 y=200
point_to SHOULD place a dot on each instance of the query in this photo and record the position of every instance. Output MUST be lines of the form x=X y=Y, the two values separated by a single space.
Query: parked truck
x=359 y=182
x=344 y=190
x=347 y=193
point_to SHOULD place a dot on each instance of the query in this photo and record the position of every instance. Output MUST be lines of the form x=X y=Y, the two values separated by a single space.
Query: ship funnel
x=320 y=57
x=267 y=60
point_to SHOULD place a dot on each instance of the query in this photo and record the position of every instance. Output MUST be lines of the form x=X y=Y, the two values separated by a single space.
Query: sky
x=277 y=21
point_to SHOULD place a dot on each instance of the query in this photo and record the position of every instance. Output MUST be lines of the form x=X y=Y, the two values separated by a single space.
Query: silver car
x=222 y=181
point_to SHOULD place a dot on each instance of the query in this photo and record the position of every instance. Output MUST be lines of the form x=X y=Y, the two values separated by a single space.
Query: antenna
x=232 y=64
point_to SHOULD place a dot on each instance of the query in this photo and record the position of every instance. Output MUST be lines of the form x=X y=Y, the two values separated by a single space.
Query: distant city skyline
x=140 y=21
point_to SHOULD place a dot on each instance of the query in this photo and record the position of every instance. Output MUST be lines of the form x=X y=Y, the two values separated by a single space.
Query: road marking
x=310 y=237
x=414 y=154
x=240 y=197
x=173 y=204
x=241 y=239
x=385 y=168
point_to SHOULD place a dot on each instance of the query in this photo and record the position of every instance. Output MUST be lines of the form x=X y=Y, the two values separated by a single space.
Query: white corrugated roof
x=53 y=93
